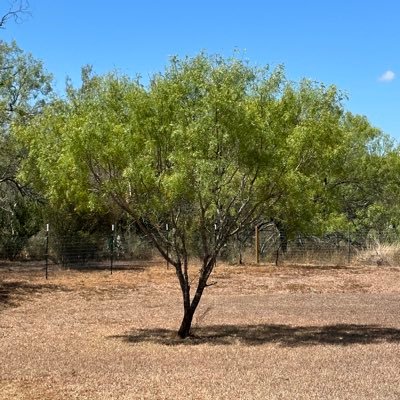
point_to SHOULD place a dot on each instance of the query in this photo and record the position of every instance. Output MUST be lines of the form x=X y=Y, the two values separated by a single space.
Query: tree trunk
x=283 y=238
x=190 y=307
x=186 y=324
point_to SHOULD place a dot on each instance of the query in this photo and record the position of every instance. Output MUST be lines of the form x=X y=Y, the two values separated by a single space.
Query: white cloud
x=387 y=76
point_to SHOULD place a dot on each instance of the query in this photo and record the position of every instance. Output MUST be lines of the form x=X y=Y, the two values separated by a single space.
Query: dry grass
x=261 y=332
x=380 y=255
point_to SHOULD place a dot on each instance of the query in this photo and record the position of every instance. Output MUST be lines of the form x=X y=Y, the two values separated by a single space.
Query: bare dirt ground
x=261 y=332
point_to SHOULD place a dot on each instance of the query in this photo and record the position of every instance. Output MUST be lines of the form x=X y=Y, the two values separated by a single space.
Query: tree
x=209 y=147
x=310 y=116
x=24 y=86
x=368 y=189
x=338 y=168
x=186 y=151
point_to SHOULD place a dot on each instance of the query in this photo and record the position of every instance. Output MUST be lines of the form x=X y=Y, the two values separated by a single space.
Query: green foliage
x=76 y=237
x=19 y=222
x=367 y=188
x=24 y=87
x=211 y=141
x=179 y=150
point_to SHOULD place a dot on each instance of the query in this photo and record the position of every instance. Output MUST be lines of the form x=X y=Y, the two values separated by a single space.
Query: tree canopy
x=24 y=87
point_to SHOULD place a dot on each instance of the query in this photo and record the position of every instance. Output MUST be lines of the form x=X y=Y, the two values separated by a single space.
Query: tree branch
x=15 y=12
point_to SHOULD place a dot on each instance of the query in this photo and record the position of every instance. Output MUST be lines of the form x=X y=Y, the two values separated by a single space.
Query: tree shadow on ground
x=283 y=335
x=12 y=293
x=93 y=266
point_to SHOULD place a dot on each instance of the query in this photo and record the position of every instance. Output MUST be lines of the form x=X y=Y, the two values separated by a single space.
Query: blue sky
x=351 y=44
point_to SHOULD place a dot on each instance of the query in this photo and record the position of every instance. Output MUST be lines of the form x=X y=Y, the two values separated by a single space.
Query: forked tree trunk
x=189 y=307
x=189 y=310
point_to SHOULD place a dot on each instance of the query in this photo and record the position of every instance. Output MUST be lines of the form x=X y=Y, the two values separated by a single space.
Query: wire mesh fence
x=362 y=247
x=125 y=249
x=78 y=250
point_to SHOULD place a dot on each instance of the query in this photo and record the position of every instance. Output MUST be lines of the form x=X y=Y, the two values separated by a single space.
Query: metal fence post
x=47 y=251
x=112 y=248
x=167 y=235
x=257 y=244
x=348 y=246
x=215 y=243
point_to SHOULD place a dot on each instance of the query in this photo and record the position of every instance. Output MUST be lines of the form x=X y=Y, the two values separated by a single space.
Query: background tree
x=309 y=116
x=24 y=86
x=337 y=167
x=367 y=190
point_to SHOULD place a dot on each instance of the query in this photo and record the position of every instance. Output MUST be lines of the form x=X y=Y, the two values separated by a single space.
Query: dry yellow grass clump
x=261 y=332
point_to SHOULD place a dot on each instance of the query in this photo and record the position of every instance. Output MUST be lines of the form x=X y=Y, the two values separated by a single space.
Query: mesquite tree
x=186 y=151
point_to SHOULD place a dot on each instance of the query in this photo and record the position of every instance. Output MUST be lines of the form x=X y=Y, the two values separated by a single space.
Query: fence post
x=47 y=252
x=257 y=244
x=215 y=243
x=348 y=246
x=167 y=234
x=112 y=248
